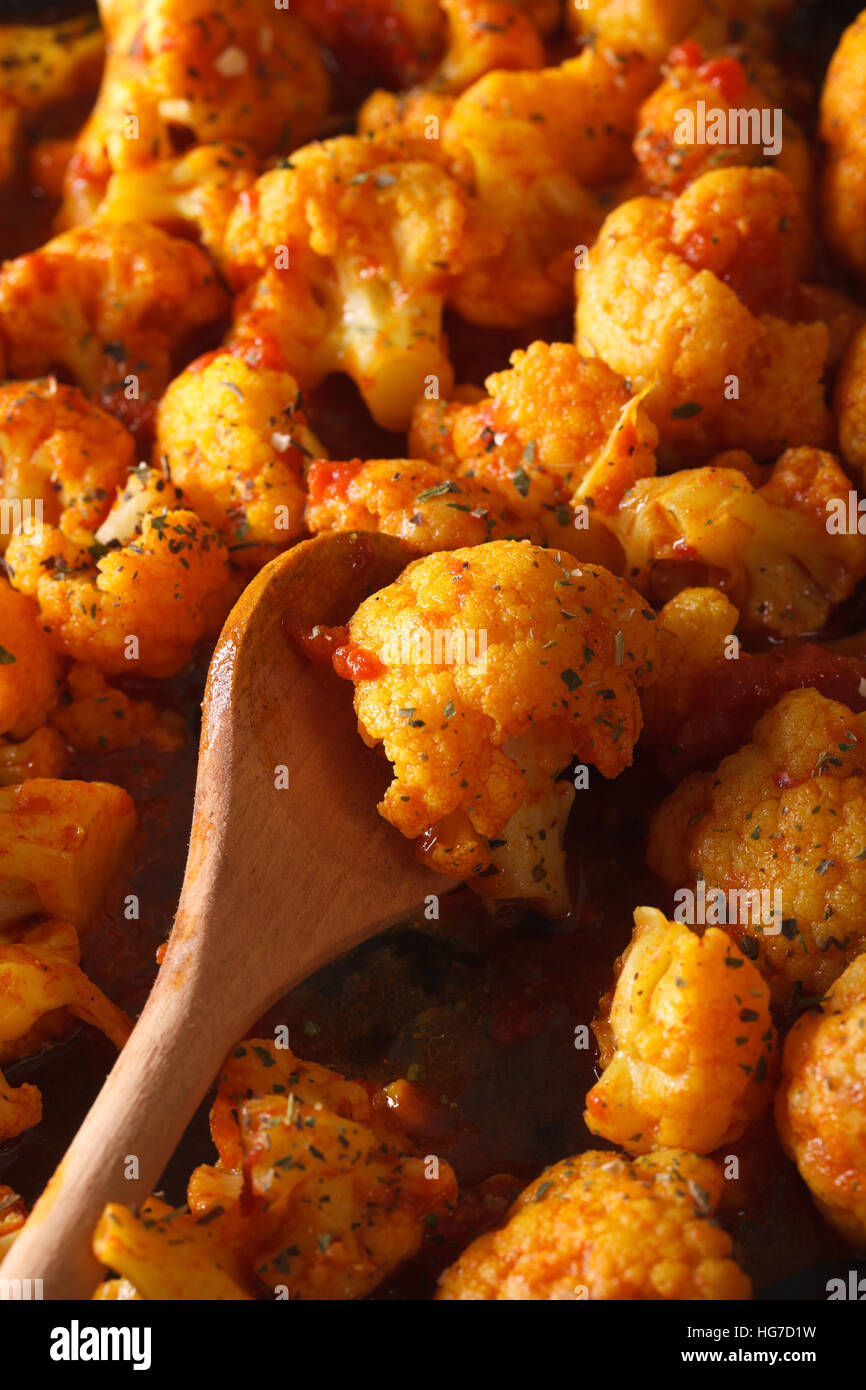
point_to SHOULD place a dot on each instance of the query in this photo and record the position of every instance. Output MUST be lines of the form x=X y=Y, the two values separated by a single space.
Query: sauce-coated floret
x=60 y=844
x=700 y=299
x=58 y=448
x=351 y=249
x=539 y=150
x=189 y=72
x=234 y=438
x=135 y=597
x=820 y=1108
x=553 y=428
x=770 y=548
x=317 y=1195
x=601 y=1227
x=29 y=668
x=39 y=975
x=843 y=110
x=787 y=813
x=113 y=303
x=419 y=502
x=484 y=672
x=687 y=1044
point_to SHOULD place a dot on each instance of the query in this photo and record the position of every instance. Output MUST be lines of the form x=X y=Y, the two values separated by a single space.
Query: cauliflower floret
x=699 y=300
x=234 y=437
x=669 y=162
x=351 y=250
x=57 y=448
x=195 y=192
x=60 y=844
x=135 y=597
x=188 y=72
x=318 y=1194
x=484 y=672
x=819 y=1106
x=486 y=36
x=687 y=1045
x=539 y=150
x=165 y=1254
x=552 y=428
x=93 y=717
x=783 y=815
x=417 y=501
x=29 y=669
x=768 y=548
x=43 y=754
x=113 y=303
x=843 y=111
x=602 y=1227
x=40 y=975
x=41 y=65
x=653 y=26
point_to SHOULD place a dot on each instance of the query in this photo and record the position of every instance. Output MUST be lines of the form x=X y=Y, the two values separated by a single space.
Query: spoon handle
x=129 y=1134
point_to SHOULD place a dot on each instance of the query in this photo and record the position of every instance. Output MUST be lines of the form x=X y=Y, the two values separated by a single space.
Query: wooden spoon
x=278 y=882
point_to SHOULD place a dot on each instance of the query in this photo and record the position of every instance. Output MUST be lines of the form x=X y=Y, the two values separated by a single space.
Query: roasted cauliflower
x=113 y=304
x=539 y=150
x=58 y=450
x=602 y=1227
x=188 y=72
x=40 y=66
x=653 y=26
x=60 y=844
x=484 y=672
x=235 y=439
x=785 y=815
x=39 y=975
x=700 y=301
x=718 y=97
x=351 y=250
x=317 y=1195
x=43 y=754
x=137 y=595
x=554 y=428
x=29 y=669
x=194 y=193
x=687 y=1045
x=768 y=548
x=417 y=501
x=819 y=1106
